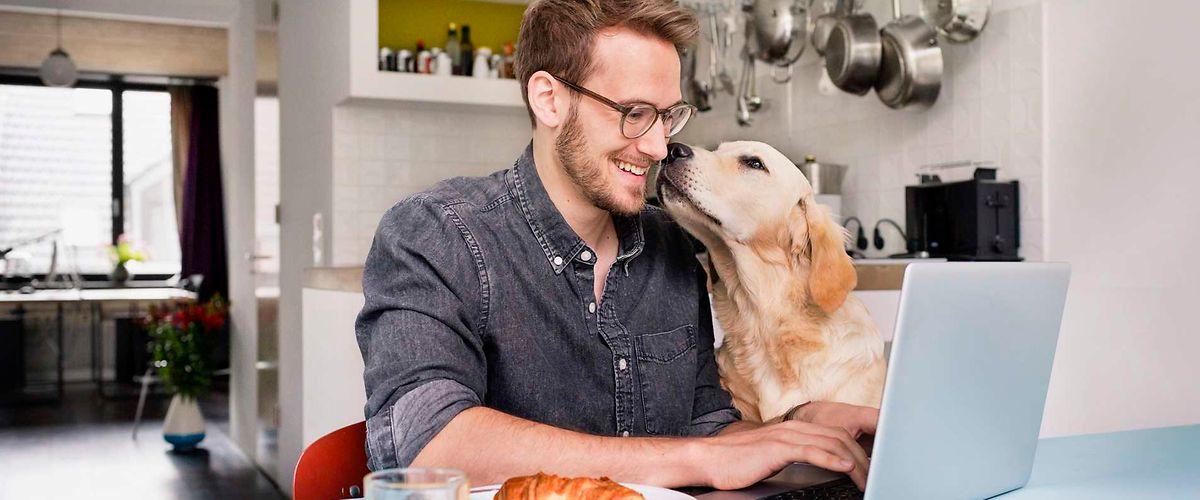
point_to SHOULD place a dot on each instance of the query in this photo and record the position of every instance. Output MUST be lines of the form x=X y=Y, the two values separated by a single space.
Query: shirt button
x=621 y=364
x=591 y=307
x=624 y=433
x=586 y=256
x=558 y=260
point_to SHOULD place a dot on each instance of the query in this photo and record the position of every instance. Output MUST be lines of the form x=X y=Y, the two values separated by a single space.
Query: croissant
x=551 y=487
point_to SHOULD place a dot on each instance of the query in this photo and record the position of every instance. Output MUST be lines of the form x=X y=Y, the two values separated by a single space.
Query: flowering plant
x=124 y=252
x=181 y=342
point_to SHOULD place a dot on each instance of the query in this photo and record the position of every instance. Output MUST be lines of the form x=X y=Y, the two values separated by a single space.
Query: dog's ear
x=831 y=274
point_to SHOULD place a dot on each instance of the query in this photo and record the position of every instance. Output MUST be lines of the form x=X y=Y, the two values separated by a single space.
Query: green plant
x=124 y=252
x=181 y=342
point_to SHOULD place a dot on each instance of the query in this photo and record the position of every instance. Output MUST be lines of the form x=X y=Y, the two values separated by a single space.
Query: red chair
x=333 y=466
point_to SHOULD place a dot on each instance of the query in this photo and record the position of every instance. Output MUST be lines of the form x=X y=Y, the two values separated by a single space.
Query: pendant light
x=58 y=70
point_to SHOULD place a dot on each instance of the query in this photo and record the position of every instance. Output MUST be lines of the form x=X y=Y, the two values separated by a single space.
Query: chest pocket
x=667 y=378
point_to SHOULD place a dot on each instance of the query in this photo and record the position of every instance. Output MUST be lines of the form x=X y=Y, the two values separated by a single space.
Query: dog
x=781 y=280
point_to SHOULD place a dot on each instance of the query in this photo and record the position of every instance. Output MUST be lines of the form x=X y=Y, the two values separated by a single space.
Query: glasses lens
x=676 y=118
x=638 y=120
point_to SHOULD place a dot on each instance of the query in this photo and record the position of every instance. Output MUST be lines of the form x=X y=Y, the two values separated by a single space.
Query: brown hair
x=557 y=35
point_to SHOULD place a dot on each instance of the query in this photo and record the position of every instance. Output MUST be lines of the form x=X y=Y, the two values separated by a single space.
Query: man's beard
x=571 y=147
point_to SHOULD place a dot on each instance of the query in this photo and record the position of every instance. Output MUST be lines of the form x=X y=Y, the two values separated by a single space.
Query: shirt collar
x=559 y=242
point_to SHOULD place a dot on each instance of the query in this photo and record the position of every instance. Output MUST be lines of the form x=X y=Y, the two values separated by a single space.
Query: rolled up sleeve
x=712 y=409
x=424 y=361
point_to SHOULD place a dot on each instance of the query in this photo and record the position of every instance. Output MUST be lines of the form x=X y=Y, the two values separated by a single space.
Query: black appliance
x=12 y=354
x=972 y=220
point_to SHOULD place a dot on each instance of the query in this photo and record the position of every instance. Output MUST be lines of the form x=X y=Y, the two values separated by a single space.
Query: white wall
x=385 y=153
x=989 y=109
x=237 y=174
x=1122 y=117
x=313 y=68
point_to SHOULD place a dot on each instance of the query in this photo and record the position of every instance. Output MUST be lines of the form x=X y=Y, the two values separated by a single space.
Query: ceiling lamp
x=58 y=70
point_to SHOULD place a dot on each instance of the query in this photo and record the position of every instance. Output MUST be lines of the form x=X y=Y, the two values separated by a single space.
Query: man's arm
x=424 y=362
x=491 y=446
x=712 y=406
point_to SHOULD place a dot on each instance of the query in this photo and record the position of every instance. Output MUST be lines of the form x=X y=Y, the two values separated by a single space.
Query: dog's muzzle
x=677 y=154
x=677 y=151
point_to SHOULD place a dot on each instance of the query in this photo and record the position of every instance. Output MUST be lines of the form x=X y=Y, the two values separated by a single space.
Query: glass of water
x=417 y=484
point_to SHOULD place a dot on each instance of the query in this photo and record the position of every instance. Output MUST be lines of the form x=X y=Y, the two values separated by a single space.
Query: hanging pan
x=910 y=72
x=852 y=52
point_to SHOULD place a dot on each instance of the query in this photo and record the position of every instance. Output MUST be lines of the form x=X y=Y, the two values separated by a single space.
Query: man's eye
x=638 y=114
x=754 y=163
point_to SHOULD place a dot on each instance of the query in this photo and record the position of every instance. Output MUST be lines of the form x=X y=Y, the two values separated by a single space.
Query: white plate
x=650 y=492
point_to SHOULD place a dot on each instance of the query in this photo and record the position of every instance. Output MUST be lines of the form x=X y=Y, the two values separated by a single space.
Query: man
x=543 y=318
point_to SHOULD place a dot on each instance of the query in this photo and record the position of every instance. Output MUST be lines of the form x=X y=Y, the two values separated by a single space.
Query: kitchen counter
x=873 y=274
x=337 y=279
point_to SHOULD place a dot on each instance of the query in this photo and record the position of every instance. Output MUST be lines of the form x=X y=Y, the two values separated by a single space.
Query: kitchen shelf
x=392 y=86
x=368 y=84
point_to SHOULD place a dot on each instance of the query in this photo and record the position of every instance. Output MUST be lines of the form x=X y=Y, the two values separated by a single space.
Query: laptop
x=966 y=387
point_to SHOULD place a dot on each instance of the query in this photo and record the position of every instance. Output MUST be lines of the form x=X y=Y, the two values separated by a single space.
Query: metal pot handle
x=786 y=78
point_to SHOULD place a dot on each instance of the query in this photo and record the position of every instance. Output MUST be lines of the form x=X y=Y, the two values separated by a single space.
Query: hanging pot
x=184 y=425
x=852 y=52
x=958 y=21
x=777 y=30
x=822 y=18
x=910 y=73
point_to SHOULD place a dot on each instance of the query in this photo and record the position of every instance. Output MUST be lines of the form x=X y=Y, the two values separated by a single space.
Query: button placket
x=623 y=376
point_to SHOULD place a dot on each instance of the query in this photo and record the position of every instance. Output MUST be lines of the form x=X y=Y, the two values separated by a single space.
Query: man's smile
x=636 y=168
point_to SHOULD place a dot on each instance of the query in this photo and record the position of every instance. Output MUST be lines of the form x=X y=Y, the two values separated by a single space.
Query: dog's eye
x=753 y=162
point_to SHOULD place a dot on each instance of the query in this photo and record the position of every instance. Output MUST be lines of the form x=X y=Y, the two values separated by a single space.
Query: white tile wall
x=383 y=154
x=990 y=108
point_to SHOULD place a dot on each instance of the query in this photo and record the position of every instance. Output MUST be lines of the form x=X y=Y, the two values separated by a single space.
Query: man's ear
x=545 y=99
x=831 y=274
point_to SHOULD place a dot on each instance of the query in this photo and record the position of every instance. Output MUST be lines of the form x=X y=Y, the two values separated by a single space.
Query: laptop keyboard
x=837 y=489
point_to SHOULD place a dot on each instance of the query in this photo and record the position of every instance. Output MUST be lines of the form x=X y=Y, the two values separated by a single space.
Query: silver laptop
x=966 y=384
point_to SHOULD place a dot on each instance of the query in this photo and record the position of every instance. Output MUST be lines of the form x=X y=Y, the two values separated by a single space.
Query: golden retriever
x=781 y=290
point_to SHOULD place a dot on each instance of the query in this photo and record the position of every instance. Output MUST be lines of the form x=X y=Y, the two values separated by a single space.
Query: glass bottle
x=467 y=58
x=453 y=50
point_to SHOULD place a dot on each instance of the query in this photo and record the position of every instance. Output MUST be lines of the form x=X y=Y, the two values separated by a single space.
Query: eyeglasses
x=639 y=117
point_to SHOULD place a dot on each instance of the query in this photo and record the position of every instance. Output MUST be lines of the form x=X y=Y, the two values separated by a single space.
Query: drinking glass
x=417 y=484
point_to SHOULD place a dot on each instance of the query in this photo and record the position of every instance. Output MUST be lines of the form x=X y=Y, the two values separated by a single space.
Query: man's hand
x=856 y=420
x=740 y=459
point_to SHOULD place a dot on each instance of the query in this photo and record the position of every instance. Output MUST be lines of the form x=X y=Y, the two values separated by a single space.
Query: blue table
x=1150 y=463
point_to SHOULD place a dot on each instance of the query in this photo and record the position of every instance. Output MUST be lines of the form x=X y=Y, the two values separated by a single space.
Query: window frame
x=117 y=84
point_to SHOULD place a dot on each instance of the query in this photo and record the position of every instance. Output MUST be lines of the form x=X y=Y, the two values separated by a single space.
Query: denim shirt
x=479 y=293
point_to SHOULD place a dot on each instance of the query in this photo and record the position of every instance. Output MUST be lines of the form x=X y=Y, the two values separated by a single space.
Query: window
x=60 y=178
x=149 y=180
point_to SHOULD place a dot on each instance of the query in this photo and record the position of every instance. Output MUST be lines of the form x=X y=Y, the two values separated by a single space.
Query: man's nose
x=678 y=151
x=654 y=142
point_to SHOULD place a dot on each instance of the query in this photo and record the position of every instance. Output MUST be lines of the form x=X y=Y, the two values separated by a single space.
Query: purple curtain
x=202 y=229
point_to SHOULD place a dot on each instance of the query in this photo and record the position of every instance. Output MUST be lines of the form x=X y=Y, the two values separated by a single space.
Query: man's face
x=609 y=168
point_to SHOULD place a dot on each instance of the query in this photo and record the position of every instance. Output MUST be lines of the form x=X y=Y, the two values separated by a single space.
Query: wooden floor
x=81 y=447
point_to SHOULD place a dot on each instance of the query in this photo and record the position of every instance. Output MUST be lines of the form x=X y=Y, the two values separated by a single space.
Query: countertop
x=873 y=275
x=1149 y=463
x=337 y=278
x=98 y=295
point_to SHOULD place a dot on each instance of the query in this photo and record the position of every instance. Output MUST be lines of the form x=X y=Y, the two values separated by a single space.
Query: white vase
x=184 y=425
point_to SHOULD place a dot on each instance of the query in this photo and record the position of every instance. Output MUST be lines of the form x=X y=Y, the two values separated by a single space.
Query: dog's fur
x=793 y=332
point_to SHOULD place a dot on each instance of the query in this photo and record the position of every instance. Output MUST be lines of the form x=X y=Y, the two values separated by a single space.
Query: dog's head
x=748 y=196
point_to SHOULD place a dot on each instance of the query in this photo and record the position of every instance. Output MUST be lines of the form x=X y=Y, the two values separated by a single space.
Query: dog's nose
x=678 y=151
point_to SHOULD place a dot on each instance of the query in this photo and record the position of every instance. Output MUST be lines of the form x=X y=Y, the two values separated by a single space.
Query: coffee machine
x=970 y=220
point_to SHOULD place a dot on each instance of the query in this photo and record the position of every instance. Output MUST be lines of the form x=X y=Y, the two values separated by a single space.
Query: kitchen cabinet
x=366 y=84
x=334 y=395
